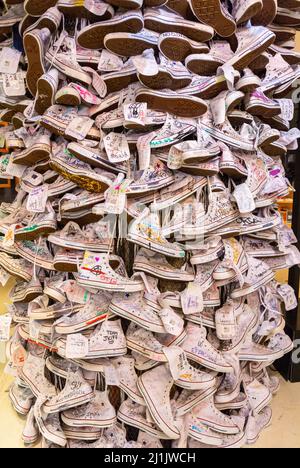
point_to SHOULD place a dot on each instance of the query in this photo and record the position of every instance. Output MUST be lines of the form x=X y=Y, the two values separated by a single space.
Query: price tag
x=37 y=199
x=177 y=360
x=77 y=346
x=192 y=299
x=5 y=323
x=111 y=376
x=14 y=85
x=225 y=323
x=244 y=199
x=109 y=62
x=136 y=113
x=9 y=238
x=4 y=276
x=116 y=147
x=172 y=322
x=79 y=127
x=9 y=60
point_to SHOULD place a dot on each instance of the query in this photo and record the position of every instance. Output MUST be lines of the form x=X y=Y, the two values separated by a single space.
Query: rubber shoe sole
x=178 y=47
x=36 y=68
x=92 y=36
x=45 y=97
x=37 y=8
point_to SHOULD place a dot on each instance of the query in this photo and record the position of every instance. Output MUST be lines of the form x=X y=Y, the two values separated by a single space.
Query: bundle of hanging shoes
x=148 y=140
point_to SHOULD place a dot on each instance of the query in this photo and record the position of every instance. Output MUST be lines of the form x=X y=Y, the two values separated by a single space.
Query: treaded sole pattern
x=211 y=12
x=37 y=8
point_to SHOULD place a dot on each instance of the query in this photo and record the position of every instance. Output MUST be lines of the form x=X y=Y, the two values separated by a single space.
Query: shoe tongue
x=165 y=12
x=247 y=132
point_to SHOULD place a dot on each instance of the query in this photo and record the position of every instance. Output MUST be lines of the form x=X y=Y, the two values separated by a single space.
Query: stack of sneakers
x=144 y=240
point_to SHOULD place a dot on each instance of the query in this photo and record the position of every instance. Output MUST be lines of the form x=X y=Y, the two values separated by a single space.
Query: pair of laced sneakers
x=205 y=354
